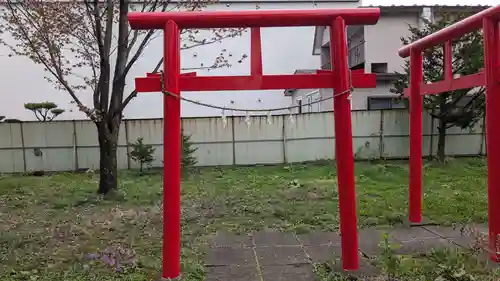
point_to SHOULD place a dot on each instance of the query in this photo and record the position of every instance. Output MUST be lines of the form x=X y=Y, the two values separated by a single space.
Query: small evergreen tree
x=142 y=153
x=188 y=160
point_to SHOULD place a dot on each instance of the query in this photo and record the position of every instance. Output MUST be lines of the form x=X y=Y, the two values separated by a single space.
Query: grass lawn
x=53 y=227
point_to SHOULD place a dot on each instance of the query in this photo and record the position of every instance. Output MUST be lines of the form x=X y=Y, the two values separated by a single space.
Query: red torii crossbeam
x=190 y=82
x=175 y=82
x=488 y=20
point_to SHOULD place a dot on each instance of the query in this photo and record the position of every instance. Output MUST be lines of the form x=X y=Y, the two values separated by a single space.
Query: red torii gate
x=488 y=20
x=338 y=79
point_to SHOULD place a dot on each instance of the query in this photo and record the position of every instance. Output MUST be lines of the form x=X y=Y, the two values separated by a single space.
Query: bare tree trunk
x=441 y=141
x=108 y=164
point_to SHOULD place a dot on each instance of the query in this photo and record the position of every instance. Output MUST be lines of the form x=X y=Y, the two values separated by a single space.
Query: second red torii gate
x=489 y=21
x=175 y=82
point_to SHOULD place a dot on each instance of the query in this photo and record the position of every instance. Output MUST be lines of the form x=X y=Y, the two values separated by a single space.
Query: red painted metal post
x=415 y=192
x=448 y=60
x=343 y=146
x=171 y=154
x=255 y=53
x=491 y=64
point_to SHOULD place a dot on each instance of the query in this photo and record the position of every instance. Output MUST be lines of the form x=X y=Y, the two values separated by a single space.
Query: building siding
x=359 y=97
x=380 y=44
x=383 y=40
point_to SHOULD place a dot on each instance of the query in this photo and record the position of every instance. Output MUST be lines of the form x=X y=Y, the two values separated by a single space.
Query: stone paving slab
x=271 y=238
x=230 y=256
x=232 y=273
x=282 y=255
x=322 y=253
x=460 y=236
x=446 y=232
x=463 y=241
x=424 y=246
x=411 y=233
x=319 y=238
x=302 y=272
x=366 y=269
x=266 y=255
x=228 y=240
x=369 y=240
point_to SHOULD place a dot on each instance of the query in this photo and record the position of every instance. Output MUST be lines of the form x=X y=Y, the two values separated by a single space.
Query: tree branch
x=57 y=73
x=134 y=92
x=64 y=37
x=36 y=115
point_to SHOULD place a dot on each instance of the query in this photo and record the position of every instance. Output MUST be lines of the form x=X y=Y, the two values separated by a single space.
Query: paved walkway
x=275 y=256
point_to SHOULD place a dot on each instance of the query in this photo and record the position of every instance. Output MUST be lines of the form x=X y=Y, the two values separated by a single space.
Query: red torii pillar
x=338 y=79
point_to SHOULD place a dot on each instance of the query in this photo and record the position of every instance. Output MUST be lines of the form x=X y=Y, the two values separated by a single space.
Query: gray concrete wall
x=70 y=145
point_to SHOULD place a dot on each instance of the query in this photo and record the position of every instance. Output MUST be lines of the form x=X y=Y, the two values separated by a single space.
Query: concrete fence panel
x=11 y=148
x=258 y=141
x=213 y=138
x=72 y=145
x=309 y=137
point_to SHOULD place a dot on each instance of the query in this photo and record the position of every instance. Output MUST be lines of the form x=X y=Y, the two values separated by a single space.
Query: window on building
x=325 y=57
x=317 y=105
x=313 y=101
x=299 y=104
x=309 y=105
x=379 y=67
x=379 y=103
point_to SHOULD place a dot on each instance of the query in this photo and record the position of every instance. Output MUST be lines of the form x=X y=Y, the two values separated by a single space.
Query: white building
x=284 y=51
x=374 y=49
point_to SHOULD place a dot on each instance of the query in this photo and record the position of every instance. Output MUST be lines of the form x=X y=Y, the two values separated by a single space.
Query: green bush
x=188 y=160
x=142 y=153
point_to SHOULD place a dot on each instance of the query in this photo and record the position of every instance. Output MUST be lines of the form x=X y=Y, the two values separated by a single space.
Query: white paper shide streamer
x=247 y=120
x=269 y=120
x=224 y=119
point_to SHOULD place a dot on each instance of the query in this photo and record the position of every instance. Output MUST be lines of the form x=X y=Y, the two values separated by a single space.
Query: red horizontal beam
x=147 y=84
x=451 y=32
x=464 y=82
x=257 y=18
x=266 y=82
x=158 y=75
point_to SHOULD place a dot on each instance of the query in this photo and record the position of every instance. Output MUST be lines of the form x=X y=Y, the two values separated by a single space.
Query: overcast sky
x=430 y=2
